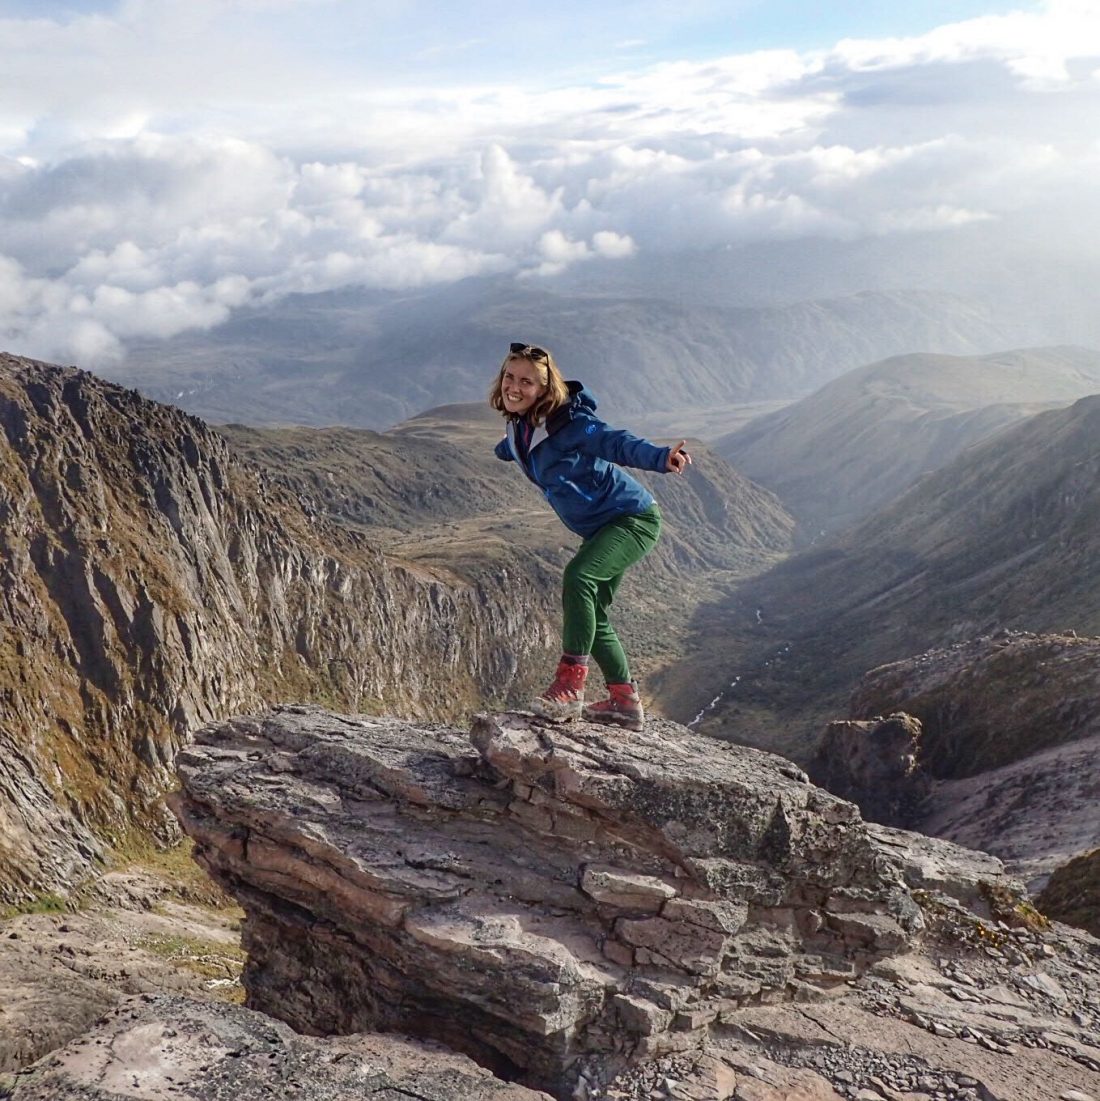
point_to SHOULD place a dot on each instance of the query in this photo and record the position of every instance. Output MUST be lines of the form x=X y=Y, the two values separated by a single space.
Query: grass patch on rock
x=175 y=867
x=40 y=904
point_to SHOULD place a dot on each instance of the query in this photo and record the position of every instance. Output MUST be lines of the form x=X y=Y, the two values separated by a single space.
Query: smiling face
x=521 y=385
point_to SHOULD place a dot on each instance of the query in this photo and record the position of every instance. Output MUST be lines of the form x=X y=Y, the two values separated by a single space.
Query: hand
x=678 y=459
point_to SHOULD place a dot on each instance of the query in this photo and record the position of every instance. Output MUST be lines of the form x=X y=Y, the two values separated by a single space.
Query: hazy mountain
x=1007 y=535
x=370 y=359
x=1044 y=293
x=858 y=441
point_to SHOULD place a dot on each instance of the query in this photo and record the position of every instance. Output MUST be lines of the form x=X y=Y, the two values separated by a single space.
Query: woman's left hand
x=678 y=459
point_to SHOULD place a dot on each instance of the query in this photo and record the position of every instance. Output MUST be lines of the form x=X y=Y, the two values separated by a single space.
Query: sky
x=163 y=163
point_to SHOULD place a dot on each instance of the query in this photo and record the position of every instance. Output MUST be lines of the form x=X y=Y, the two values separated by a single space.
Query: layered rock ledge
x=555 y=902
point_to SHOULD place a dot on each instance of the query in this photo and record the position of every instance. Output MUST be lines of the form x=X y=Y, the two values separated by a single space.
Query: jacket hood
x=581 y=400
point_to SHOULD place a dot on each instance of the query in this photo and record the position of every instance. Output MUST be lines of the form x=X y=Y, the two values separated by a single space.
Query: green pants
x=590 y=582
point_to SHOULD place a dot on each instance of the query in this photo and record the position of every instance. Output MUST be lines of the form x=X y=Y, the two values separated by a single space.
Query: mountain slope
x=150 y=582
x=858 y=441
x=369 y=359
x=1007 y=535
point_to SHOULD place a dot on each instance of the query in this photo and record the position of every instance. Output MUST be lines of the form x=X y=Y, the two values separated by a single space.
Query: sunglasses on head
x=529 y=351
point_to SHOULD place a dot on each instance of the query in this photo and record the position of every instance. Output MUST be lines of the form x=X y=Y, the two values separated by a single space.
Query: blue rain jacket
x=574 y=458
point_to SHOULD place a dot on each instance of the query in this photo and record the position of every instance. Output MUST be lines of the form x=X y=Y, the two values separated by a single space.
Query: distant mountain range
x=857 y=442
x=656 y=332
x=371 y=359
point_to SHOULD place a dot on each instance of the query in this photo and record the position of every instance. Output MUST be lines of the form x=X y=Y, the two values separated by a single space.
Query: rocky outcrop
x=992 y=700
x=875 y=765
x=555 y=902
x=155 y=1047
x=1009 y=753
x=150 y=582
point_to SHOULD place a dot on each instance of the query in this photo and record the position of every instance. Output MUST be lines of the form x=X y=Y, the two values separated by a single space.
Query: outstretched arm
x=503 y=450
x=621 y=447
x=618 y=446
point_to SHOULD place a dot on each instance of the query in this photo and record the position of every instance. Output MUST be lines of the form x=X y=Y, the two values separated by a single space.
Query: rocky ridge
x=992 y=700
x=875 y=764
x=152 y=582
x=369 y=358
x=659 y=917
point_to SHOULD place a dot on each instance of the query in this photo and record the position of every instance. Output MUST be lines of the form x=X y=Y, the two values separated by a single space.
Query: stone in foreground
x=553 y=902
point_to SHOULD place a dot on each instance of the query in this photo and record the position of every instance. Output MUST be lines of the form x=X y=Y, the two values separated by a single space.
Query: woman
x=575 y=459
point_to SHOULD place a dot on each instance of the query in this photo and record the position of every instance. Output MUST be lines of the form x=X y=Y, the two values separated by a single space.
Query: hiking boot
x=564 y=698
x=623 y=707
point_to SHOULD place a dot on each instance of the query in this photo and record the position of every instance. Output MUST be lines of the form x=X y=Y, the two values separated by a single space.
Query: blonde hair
x=557 y=393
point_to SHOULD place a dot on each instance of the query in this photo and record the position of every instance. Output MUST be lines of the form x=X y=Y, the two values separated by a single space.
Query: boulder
x=555 y=902
x=876 y=764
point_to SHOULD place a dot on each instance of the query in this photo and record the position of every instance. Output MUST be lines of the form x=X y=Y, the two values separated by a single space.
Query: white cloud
x=153 y=177
x=1060 y=29
x=613 y=246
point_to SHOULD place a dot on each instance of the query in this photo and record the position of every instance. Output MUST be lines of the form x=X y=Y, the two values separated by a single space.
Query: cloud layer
x=151 y=181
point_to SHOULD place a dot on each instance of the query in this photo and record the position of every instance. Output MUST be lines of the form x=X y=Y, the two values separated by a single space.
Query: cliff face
x=151 y=582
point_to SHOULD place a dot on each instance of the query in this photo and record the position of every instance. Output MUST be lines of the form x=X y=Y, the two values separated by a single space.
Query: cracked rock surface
x=167 y=1048
x=60 y=972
